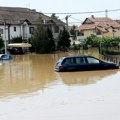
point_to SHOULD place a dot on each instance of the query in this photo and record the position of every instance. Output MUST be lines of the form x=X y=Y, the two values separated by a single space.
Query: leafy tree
x=73 y=31
x=63 y=40
x=118 y=21
x=50 y=41
x=93 y=40
x=75 y=46
x=42 y=40
x=53 y=16
x=38 y=41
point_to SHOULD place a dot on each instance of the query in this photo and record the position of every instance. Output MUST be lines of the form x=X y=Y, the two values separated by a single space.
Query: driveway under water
x=30 y=89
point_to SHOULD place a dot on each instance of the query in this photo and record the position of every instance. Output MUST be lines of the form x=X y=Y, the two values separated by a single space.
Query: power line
x=113 y=10
x=32 y=11
x=80 y=21
x=77 y=12
x=68 y=13
x=73 y=22
x=86 y=12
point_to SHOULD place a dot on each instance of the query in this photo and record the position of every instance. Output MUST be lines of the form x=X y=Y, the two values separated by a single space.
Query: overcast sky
x=69 y=6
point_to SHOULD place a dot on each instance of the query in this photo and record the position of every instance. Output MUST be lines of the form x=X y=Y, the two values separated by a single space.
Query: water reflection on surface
x=28 y=73
x=37 y=92
x=84 y=78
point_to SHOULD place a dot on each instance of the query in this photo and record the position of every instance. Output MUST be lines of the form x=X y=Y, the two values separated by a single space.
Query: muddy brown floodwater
x=30 y=89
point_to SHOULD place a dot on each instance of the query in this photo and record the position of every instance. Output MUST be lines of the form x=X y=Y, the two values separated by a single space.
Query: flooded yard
x=30 y=89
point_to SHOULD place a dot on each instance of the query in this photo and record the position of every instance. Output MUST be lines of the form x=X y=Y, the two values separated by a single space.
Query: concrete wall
x=16 y=33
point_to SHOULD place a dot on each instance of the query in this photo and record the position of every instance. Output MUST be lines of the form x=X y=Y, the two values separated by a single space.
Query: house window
x=1 y=31
x=31 y=30
x=94 y=30
x=56 y=29
x=14 y=29
x=98 y=32
x=78 y=33
x=81 y=33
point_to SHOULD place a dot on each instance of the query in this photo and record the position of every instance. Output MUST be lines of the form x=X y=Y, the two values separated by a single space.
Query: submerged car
x=5 y=57
x=83 y=63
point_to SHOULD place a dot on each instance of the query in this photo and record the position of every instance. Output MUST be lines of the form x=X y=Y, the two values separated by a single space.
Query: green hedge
x=109 y=52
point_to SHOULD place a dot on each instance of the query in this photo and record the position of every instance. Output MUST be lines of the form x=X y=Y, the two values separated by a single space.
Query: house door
x=24 y=31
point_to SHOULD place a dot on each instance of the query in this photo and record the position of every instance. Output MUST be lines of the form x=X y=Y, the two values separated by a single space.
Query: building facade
x=21 y=22
x=100 y=27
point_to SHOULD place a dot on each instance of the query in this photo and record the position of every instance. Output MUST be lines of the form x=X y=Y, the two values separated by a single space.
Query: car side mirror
x=101 y=62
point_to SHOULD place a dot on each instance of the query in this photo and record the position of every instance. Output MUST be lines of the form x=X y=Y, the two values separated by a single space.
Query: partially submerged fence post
x=111 y=58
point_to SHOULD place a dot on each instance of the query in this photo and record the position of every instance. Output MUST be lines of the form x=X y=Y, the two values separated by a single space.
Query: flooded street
x=30 y=89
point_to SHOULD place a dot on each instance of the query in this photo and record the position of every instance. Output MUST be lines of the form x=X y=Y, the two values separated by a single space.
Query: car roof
x=1 y=55
x=77 y=56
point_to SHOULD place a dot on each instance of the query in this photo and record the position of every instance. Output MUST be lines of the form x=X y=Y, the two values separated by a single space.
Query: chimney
x=92 y=16
x=34 y=10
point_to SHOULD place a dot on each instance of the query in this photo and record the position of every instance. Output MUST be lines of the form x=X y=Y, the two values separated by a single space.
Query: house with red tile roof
x=101 y=27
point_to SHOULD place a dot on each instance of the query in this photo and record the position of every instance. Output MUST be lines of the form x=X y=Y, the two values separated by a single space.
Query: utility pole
x=106 y=13
x=5 y=42
x=66 y=18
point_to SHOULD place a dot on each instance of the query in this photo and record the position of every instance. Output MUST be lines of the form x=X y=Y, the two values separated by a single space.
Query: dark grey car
x=83 y=63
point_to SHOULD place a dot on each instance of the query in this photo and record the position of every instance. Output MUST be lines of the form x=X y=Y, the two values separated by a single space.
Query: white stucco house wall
x=23 y=30
x=21 y=22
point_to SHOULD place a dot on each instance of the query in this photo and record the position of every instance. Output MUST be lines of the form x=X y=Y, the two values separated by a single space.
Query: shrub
x=17 y=40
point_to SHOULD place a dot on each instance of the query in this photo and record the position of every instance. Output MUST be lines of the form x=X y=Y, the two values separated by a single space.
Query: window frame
x=56 y=29
x=82 y=60
x=72 y=63
x=92 y=58
x=14 y=29
x=1 y=31
x=31 y=30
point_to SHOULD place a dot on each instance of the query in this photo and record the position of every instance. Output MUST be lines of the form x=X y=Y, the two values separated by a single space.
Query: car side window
x=69 y=61
x=80 y=60
x=92 y=60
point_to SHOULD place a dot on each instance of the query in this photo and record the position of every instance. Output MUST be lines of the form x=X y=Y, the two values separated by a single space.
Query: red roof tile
x=101 y=23
x=86 y=27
